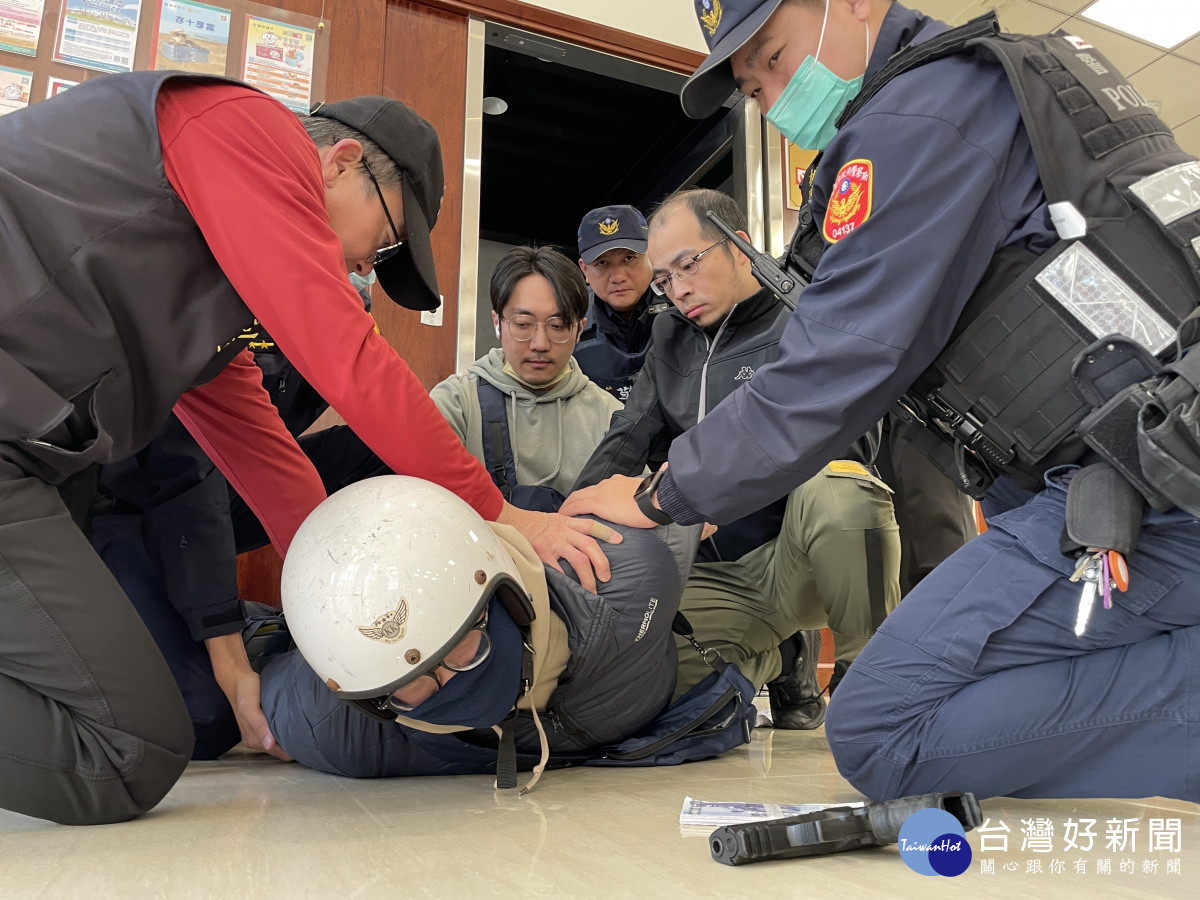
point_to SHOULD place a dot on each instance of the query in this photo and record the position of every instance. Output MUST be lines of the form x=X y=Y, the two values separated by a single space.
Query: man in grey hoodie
x=510 y=408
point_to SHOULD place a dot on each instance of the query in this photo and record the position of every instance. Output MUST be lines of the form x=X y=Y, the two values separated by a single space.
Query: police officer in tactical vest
x=612 y=257
x=1009 y=246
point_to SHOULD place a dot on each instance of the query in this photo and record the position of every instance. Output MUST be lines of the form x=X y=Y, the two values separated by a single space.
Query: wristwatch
x=644 y=495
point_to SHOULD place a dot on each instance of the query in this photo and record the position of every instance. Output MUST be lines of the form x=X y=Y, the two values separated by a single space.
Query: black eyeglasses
x=392 y=249
x=682 y=272
x=465 y=656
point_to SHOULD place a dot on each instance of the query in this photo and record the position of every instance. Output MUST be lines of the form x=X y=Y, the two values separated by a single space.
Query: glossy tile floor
x=250 y=827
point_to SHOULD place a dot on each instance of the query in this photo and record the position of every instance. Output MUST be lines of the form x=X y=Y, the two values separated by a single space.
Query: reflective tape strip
x=1103 y=303
x=1172 y=193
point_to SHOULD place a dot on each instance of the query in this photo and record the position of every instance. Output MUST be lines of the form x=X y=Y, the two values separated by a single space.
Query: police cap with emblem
x=610 y=227
x=726 y=25
x=409 y=277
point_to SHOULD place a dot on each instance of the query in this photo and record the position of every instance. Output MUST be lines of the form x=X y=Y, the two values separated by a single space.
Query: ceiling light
x=494 y=106
x=1164 y=23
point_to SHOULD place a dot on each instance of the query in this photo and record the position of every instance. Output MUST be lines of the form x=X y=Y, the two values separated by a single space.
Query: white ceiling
x=1171 y=78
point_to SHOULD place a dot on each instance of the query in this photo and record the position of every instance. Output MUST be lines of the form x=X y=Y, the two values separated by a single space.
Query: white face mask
x=359 y=282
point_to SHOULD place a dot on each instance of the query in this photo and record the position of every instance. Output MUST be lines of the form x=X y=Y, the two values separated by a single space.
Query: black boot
x=839 y=672
x=796 y=701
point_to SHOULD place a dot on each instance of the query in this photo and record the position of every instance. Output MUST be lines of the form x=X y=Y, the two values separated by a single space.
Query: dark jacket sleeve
x=184 y=501
x=635 y=430
x=951 y=185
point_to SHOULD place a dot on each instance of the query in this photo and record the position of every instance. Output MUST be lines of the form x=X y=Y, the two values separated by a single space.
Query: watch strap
x=645 y=501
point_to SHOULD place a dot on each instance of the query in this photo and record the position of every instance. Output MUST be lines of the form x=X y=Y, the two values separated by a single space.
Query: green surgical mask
x=808 y=108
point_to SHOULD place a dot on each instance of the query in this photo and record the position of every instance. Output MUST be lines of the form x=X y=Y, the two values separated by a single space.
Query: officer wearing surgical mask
x=945 y=246
x=807 y=110
x=935 y=519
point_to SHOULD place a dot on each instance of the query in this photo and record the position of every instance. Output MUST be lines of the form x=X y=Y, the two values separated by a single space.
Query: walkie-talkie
x=781 y=282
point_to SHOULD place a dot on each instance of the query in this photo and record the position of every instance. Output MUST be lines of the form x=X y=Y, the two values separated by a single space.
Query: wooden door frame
x=389 y=49
x=592 y=35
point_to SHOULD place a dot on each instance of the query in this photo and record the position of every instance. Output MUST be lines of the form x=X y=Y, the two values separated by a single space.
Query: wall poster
x=191 y=37
x=15 y=85
x=98 y=34
x=55 y=86
x=21 y=25
x=46 y=45
x=278 y=59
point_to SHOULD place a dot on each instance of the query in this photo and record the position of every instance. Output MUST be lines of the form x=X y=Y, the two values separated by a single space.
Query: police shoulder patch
x=850 y=201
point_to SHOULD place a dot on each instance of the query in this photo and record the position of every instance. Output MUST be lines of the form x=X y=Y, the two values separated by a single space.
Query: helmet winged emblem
x=711 y=17
x=390 y=627
x=610 y=226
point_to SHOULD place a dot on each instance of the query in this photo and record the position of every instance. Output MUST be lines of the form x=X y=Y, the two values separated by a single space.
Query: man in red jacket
x=152 y=221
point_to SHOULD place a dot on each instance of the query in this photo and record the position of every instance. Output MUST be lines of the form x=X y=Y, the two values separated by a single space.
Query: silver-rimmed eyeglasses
x=682 y=272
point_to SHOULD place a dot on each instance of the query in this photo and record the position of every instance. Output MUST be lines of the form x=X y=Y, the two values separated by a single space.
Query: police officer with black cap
x=612 y=256
x=969 y=239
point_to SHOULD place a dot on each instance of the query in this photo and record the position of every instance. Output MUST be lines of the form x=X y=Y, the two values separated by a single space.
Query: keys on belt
x=1100 y=571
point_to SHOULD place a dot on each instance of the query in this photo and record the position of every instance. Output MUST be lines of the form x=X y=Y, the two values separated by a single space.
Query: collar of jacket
x=548 y=643
x=602 y=319
x=763 y=303
x=901 y=26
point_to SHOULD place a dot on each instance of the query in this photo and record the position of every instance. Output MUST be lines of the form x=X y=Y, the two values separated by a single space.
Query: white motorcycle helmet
x=384 y=578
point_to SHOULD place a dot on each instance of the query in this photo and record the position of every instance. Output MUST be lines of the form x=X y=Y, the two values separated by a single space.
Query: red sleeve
x=268 y=468
x=250 y=176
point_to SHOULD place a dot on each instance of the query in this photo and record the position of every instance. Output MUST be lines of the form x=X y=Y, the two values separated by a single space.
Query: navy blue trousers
x=977 y=681
x=118 y=541
x=340 y=457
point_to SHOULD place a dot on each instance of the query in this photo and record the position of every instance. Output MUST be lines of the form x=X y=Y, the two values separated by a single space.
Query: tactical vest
x=111 y=304
x=604 y=363
x=1001 y=397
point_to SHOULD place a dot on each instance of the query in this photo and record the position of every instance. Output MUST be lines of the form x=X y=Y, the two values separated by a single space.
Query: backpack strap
x=682 y=627
x=497 y=448
x=711 y=717
x=506 y=751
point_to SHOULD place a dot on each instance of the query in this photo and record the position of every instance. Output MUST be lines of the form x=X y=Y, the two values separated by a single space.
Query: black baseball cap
x=727 y=25
x=608 y=227
x=409 y=277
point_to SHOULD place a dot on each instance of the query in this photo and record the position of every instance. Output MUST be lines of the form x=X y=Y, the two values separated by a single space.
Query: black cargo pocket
x=1169 y=451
